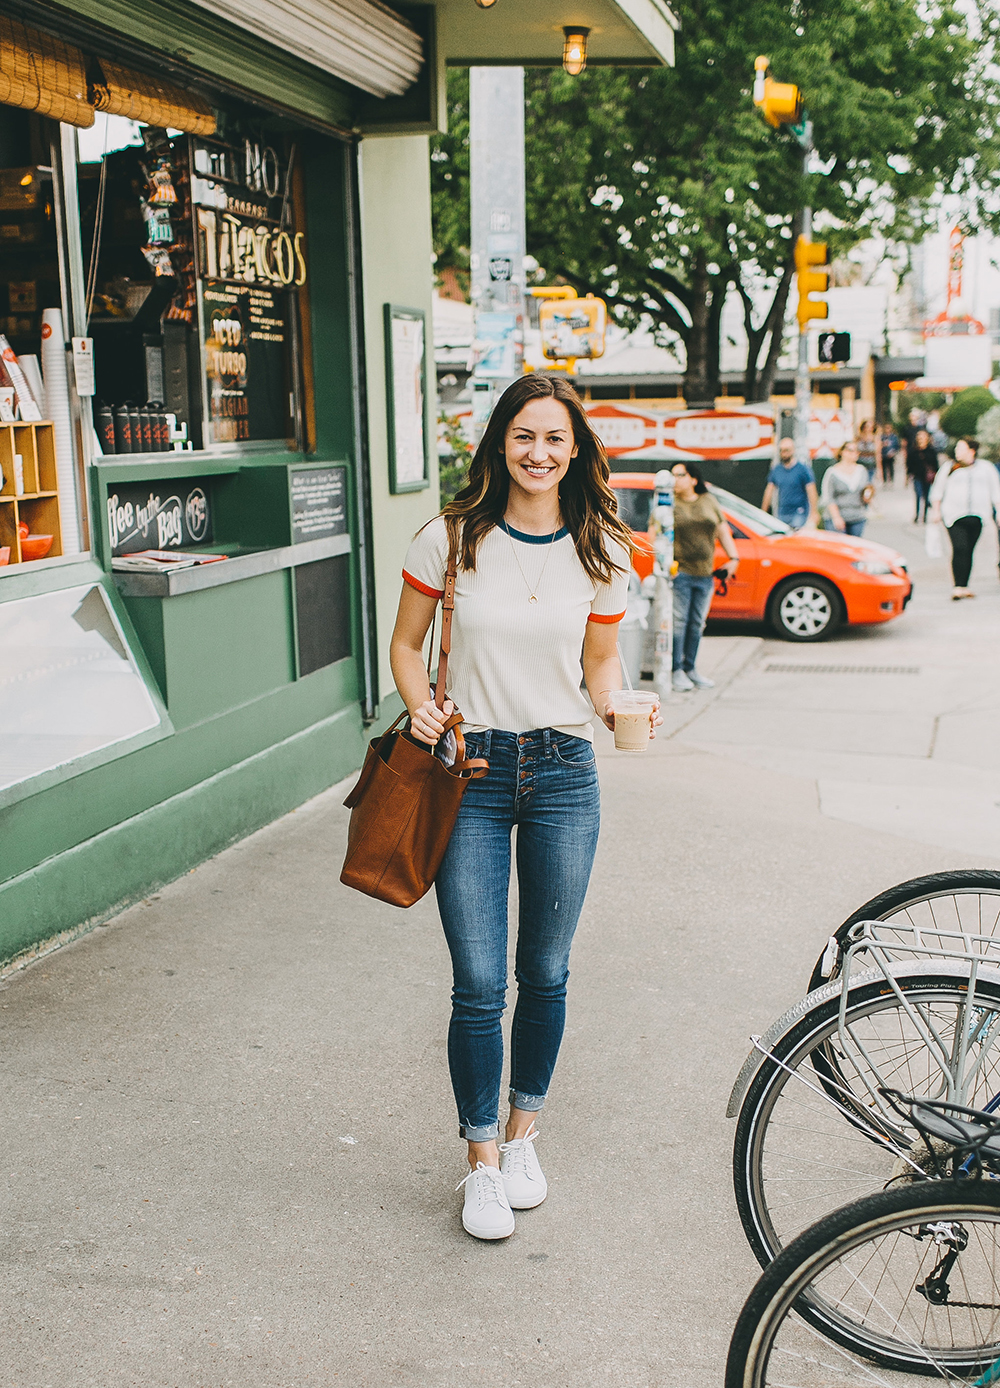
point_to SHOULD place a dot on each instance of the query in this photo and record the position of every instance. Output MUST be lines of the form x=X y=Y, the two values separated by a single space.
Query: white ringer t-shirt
x=516 y=664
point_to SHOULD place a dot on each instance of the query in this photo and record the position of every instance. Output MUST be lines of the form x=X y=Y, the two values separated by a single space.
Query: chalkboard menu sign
x=161 y=515
x=246 y=327
x=319 y=503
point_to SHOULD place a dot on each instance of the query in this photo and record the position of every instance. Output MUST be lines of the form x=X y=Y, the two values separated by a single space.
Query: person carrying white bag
x=965 y=496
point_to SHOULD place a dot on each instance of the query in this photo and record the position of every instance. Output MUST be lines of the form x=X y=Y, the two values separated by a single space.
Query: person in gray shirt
x=846 y=492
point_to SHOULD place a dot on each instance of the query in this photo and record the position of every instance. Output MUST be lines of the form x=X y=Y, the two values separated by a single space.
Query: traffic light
x=833 y=347
x=780 y=102
x=809 y=281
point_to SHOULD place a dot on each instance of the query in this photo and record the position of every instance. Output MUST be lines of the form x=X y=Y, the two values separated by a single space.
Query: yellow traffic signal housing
x=809 y=281
x=782 y=103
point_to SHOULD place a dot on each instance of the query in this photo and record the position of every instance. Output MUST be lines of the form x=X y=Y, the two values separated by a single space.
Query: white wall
x=397 y=269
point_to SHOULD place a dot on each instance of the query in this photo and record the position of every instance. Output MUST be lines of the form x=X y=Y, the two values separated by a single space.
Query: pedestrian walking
x=542 y=573
x=698 y=523
x=791 y=489
x=965 y=495
x=890 y=452
x=870 y=450
x=921 y=467
x=846 y=492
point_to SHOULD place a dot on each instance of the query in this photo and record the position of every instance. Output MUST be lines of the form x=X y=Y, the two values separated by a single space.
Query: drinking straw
x=621 y=662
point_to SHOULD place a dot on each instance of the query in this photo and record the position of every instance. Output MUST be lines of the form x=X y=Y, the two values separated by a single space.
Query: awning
x=123 y=92
x=41 y=73
x=361 y=41
x=529 y=33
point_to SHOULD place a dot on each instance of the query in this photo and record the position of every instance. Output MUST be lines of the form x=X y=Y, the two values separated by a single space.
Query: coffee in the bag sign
x=170 y=515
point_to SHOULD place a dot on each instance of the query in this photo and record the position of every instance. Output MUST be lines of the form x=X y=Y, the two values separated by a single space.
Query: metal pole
x=803 y=386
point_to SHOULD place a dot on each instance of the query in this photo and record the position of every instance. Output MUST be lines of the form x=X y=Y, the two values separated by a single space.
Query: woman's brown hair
x=586 y=501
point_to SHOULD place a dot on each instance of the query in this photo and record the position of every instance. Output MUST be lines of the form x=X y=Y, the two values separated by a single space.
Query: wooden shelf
x=38 y=504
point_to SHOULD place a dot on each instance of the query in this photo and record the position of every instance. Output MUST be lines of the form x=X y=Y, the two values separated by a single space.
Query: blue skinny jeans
x=692 y=599
x=545 y=782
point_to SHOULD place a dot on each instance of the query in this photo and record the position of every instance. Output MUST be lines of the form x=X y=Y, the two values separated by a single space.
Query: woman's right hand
x=427 y=720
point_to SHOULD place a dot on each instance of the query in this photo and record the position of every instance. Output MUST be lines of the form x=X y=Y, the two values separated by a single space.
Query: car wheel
x=805 y=609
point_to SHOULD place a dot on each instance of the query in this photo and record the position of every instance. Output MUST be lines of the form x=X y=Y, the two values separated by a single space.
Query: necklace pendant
x=532 y=598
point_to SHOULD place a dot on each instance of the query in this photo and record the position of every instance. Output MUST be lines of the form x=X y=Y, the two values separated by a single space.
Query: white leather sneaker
x=680 y=682
x=700 y=681
x=486 y=1213
x=522 y=1176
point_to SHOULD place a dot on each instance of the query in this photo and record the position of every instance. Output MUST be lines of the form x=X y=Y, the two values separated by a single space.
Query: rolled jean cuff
x=489 y=1133
x=531 y=1103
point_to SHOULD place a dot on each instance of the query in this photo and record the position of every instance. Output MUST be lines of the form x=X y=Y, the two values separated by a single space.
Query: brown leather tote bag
x=406 y=800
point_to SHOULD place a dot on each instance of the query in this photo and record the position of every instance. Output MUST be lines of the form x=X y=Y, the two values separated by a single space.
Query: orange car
x=805 y=583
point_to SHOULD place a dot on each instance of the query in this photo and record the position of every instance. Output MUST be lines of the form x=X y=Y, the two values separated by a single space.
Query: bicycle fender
x=949 y=968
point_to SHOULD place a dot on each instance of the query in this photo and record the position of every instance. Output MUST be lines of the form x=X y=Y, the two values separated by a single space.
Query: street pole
x=496 y=177
x=803 y=385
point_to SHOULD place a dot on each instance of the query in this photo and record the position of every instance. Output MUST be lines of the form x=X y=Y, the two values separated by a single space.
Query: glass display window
x=196 y=264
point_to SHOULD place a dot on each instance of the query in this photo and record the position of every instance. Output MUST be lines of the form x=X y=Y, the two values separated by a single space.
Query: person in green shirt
x=698 y=523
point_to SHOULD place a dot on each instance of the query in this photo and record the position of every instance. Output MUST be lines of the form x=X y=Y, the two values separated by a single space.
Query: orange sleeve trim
x=604 y=617
x=422 y=587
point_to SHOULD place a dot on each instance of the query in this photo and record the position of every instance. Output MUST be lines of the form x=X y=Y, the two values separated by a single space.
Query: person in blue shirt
x=793 y=486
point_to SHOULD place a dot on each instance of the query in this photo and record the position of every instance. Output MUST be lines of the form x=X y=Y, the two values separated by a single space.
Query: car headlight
x=871 y=566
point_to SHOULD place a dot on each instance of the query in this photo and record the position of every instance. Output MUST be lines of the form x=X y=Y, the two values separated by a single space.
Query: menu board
x=246 y=327
x=319 y=503
x=406 y=367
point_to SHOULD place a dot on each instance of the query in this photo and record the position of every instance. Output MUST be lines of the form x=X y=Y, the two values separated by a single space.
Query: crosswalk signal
x=833 y=347
x=810 y=281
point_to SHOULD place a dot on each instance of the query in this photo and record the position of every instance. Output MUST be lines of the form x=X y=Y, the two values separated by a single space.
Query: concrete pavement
x=230 y=1142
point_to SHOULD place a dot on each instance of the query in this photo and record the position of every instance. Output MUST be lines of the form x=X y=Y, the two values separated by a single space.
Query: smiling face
x=539 y=446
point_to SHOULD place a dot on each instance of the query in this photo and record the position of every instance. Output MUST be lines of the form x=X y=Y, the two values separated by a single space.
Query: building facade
x=216 y=341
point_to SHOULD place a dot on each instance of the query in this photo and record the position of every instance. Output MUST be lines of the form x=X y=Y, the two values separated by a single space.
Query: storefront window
x=34 y=483
x=195 y=271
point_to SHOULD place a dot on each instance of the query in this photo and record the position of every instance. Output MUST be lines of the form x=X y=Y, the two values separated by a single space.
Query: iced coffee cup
x=633 y=710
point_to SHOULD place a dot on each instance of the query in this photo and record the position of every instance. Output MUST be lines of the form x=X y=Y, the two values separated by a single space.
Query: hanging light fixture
x=575 y=49
x=486 y=4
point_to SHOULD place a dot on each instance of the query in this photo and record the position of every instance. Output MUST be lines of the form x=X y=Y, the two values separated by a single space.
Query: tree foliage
x=962 y=415
x=663 y=190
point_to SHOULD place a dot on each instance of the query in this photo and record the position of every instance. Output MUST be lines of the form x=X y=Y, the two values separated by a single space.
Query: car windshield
x=634 y=504
x=751 y=516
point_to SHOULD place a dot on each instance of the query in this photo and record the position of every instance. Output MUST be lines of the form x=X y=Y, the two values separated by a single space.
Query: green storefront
x=215 y=227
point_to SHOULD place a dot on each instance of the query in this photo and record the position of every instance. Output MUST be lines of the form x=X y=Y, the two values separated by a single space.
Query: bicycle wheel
x=965 y=901
x=795 y=1156
x=908 y=1279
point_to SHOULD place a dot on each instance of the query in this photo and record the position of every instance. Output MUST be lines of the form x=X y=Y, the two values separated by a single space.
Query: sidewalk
x=230 y=1142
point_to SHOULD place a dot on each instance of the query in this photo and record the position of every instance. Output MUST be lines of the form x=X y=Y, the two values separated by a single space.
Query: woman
x=965 y=495
x=846 y=492
x=922 y=466
x=543 y=564
x=698 y=523
x=870 y=450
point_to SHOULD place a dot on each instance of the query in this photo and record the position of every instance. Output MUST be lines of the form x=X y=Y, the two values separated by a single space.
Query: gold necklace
x=532 y=596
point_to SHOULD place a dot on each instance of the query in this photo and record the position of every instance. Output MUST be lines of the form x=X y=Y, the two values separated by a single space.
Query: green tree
x=664 y=190
x=962 y=415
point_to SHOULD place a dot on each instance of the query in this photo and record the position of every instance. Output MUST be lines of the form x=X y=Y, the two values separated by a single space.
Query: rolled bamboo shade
x=41 y=73
x=139 y=97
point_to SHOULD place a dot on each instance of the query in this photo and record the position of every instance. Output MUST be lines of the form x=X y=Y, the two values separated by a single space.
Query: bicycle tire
x=905 y=896
x=822 y=1155
x=805 y=1279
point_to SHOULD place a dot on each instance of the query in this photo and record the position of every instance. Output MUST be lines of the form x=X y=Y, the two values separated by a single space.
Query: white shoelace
x=518 y=1149
x=488 y=1184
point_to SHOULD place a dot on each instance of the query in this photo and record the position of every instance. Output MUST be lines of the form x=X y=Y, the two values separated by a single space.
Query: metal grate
x=781 y=669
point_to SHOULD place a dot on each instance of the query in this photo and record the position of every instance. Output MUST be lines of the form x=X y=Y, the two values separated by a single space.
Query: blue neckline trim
x=533 y=539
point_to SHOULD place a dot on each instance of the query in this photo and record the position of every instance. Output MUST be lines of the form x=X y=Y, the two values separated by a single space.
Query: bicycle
x=967 y=900
x=907 y=1279
x=813 y=1131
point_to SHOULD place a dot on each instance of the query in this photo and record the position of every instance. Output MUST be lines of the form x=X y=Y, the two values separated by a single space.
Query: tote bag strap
x=447 y=609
